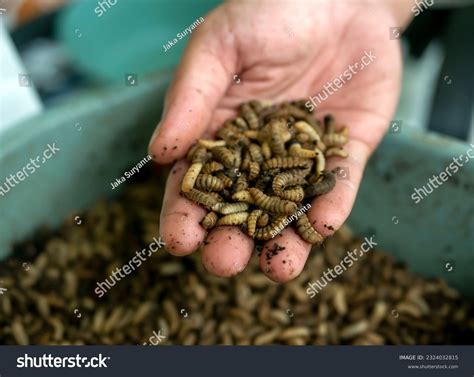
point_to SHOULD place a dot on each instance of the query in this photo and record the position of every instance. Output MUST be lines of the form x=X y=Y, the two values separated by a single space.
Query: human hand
x=281 y=51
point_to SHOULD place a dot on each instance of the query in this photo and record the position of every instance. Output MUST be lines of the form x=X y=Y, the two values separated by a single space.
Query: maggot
x=272 y=204
x=254 y=170
x=320 y=162
x=249 y=115
x=285 y=162
x=255 y=153
x=266 y=150
x=306 y=230
x=285 y=179
x=306 y=128
x=278 y=135
x=325 y=185
x=336 y=151
x=200 y=155
x=190 y=177
x=246 y=160
x=234 y=219
x=243 y=196
x=203 y=198
x=209 y=221
x=336 y=139
x=225 y=179
x=296 y=150
x=270 y=231
x=287 y=110
x=252 y=221
x=242 y=183
x=295 y=194
x=229 y=208
x=302 y=137
x=224 y=155
x=209 y=144
x=329 y=124
x=207 y=182
x=263 y=220
x=212 y=167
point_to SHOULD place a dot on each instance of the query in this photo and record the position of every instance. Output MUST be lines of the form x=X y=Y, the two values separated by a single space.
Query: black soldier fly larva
x=264 y=165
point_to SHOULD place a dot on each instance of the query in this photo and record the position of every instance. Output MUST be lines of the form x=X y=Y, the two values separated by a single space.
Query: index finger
x=200 y=82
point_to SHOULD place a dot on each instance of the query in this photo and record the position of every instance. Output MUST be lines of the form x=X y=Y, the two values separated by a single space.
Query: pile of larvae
x=263 y=167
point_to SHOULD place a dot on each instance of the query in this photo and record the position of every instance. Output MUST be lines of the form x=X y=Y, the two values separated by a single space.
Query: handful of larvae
x=263 y=167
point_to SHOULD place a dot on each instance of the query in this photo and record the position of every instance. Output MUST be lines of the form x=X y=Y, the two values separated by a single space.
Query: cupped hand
x=280 y=50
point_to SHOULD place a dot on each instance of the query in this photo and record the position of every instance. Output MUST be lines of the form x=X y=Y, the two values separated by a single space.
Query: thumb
x=200 y=82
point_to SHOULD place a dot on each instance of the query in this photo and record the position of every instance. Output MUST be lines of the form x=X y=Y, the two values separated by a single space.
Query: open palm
x=280 y=51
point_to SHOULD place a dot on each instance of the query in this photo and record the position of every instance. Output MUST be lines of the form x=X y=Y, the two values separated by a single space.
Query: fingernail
x=153 y=138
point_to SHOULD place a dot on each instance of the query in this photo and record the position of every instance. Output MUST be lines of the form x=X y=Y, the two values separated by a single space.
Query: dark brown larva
x=264 y=165
x=323 y=186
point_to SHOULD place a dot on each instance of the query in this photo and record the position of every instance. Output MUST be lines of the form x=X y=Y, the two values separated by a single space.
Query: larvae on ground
x=264 y=165
x=376 y=301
